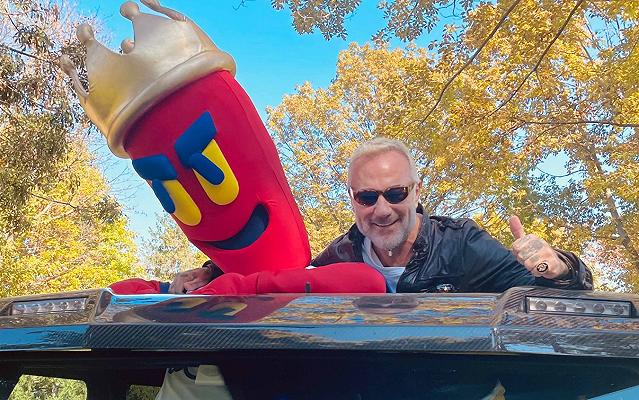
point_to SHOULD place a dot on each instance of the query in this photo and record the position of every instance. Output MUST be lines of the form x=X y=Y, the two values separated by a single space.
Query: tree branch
x=543 y=55
x=560 y=176
x=25 y=96
x=64 y=203
x=617 y=220
x=24 y=53
x=581 y=122
x=501 y=22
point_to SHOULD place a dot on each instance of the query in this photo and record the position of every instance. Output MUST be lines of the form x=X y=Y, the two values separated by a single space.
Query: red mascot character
x=171 y=104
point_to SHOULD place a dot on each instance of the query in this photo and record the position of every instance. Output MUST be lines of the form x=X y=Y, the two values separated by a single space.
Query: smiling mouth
x=252 y=230
x=384 y=225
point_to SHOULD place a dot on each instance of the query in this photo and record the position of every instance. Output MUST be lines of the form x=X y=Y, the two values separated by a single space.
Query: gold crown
x=167 y=54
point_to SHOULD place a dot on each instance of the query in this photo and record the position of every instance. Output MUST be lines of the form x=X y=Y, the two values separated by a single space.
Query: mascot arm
x=334 y=278
x=139 y=286
x=348 y=277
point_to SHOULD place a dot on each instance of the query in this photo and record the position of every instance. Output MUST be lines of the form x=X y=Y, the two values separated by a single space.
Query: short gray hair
x=381 y=145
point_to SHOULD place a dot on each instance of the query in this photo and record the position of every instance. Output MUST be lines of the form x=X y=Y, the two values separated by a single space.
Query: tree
x=381 y=92
x=565 y=78
x=56 y=213
x=41 y=388
x=169 y=252
x=405 y=19
x=60 y=227
x=67 y=247
x=510 y=86
x=39 y=114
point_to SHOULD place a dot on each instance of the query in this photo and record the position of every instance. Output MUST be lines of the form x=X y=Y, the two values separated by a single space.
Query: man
x=419 y=253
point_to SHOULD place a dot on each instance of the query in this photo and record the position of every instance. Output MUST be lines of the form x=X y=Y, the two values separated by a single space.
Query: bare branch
x=581 y=122
x=76 y=208
x=24 y=53
x=560 y=176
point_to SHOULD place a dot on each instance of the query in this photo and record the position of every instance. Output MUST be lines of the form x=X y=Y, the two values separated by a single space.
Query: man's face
x=386 y=225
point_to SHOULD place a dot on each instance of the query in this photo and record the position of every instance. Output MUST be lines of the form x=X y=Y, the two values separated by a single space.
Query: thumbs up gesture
x=534 y=253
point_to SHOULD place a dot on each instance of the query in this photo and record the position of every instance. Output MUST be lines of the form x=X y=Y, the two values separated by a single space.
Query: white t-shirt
x=194 y=383
x=391 y=274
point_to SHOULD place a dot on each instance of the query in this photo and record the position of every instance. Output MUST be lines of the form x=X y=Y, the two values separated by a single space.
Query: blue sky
x=271 y=60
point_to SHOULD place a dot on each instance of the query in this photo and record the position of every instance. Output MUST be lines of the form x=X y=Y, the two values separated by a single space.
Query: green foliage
x=61 y=229
x=31 y=387
x=43 y=388
x=142 y=393
x=38 y=112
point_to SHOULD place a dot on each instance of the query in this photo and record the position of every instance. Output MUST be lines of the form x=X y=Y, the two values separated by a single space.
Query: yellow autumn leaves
x=541 y=123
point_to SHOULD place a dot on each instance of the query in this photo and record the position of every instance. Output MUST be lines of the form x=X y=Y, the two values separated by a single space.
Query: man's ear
x=418 y=189
x=350 y=198
x=352 y=203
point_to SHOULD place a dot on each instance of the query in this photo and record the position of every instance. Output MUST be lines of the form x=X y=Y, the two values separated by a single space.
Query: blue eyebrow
x=155 y=167
x=190 y=145
x=195 y=138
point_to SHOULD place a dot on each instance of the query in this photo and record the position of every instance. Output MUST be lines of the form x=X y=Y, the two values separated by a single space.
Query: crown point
x=66 y=64
x=129 y=10
x=69 y=68
x=157 y=7
x=85 y=33
x=127 y=46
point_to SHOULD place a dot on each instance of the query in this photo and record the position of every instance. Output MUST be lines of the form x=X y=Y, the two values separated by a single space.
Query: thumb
x=516 y=227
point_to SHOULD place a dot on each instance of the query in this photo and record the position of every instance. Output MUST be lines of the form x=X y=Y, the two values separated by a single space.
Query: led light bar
x=558 y=305
x=48 y=306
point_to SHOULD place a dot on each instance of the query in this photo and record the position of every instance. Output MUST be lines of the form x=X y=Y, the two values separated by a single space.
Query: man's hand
x=190 y=280
x=534 y=253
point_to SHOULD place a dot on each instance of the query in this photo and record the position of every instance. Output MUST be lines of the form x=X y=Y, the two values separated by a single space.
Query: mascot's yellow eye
x=197 y=149
x=185 y=208
x=163 y=178
x=227 y=191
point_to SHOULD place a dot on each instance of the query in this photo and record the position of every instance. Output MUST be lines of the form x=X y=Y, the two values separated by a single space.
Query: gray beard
x=392 y=243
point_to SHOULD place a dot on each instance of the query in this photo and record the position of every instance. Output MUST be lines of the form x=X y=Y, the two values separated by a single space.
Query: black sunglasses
x=393 y=195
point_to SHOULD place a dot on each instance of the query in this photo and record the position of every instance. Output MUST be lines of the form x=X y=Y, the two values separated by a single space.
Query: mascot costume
x=169 y=102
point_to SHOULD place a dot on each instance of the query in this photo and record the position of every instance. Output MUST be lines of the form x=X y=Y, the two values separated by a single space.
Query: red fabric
x=231 y=284
x=135 y=286
x=252 y=156
x=334 y=278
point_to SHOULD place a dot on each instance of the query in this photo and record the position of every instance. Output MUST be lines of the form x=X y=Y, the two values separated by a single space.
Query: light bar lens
x=48 y=306
x=550 y=305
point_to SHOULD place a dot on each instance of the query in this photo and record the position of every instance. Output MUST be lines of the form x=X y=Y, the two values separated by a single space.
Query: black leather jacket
x=456 y=255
